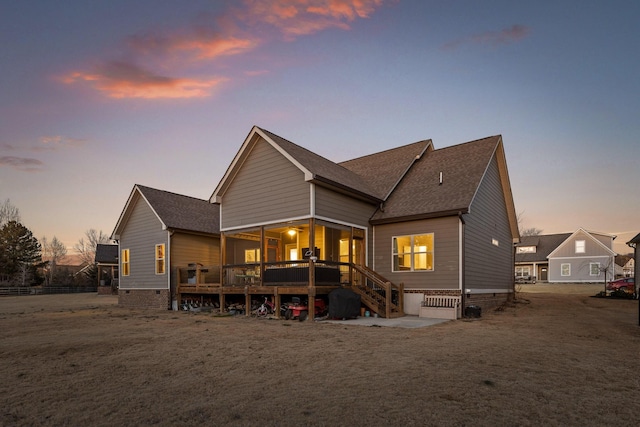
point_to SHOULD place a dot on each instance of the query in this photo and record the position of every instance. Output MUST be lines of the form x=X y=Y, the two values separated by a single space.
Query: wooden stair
x=377 y=293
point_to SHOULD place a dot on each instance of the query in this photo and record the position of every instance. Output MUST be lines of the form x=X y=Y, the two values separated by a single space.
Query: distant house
x=577 y=257
x=394 y=226
x=160 y=234
x=106 y=261
x=626 y=265
x=531 y=258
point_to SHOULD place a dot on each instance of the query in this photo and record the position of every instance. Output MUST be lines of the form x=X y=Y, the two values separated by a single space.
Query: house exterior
x=161 y=235
x=584 y=257
x=106 y=261
x=625 y=265
x=394 y=226
x=531 y=258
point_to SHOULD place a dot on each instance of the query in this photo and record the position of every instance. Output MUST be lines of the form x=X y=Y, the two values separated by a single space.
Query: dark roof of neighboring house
x=324 y=170
x=106 y=254
x=622 y=260
x=462 y=167
x=384 y=170
x=635 y=240
x=183 y=212
x=544 y=243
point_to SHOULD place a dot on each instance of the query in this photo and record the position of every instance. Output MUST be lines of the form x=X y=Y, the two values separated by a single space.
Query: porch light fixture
x=291 y=232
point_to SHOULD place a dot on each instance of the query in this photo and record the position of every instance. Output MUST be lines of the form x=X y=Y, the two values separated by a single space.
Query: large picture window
x=124 y=259
x=160 y=259
x=413 y=253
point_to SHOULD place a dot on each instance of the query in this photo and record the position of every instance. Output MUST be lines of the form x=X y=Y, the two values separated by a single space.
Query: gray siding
x=580 y=269
x=592 y=248
x=487 y=266
x=142 y=232
x=337 y=206
x=445 y=274
x=580 y=262
x=267 y=188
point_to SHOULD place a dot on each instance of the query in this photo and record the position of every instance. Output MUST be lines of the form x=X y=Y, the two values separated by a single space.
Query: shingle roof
x=106 y=254
x=183 y=212
x=324 y=170
x=420 y=193
x=384 y=170
x=544 y=243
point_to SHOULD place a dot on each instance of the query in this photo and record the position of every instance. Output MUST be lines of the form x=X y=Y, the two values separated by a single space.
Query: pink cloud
x=119 y=79
x=509 y=35
x=236 y=32
x=304 y=17
x=22 y=163
x=50 y=143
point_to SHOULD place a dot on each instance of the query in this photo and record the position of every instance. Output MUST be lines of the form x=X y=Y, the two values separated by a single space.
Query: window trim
x=520 y=271
x=160 y=259
x=125 y=261
x=568 y=264
x=412 y=253
x=591 y=264
x=581 y=246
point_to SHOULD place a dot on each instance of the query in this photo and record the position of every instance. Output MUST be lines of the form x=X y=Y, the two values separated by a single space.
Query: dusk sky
x=98 y=96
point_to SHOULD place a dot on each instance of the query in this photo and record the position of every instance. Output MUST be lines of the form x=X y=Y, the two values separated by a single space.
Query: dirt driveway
x=549 y=359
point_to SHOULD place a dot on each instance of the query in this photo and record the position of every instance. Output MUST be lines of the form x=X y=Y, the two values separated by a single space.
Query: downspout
x=461 y=239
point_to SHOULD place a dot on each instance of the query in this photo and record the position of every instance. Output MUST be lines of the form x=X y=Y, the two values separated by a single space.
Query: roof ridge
x=171 y=192
x=386 y=151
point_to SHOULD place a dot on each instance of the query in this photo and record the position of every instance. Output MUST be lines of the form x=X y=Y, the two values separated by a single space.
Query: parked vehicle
x=300 y=310
x=626 y=284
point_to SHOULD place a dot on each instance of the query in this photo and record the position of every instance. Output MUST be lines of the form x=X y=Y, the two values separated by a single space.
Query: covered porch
x=306 y=257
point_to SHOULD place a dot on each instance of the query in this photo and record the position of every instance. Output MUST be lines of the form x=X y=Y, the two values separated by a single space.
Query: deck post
x=247 y=302
x=388 y=292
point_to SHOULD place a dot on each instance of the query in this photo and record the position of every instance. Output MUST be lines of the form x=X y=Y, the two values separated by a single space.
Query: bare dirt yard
x=549 y=359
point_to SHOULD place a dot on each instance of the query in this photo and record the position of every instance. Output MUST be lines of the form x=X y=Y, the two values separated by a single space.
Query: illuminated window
x=413 y=253
x=124 y=258
x=580 y=246
x=252 y=256
x=160 y=259
x=565 y=269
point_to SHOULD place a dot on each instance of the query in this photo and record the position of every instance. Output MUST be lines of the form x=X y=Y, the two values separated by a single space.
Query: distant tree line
x=25 y=261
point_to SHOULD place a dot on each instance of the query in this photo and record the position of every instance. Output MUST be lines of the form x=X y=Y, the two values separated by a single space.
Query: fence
x=27 y=290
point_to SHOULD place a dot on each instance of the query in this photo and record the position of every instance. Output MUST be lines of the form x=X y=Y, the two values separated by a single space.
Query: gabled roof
x=588 y=234
x=316 y=168
x=384 y=170
x=635 y=240
x=106 y=254
x=174 y=211
x=544 y=243
x=420 y=193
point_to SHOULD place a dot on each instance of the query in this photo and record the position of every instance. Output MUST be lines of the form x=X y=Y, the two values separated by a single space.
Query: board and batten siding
x=446 y=271
x=142 y=233
x=193 y=249
x=267 y=188
x=342 y=208
x=488 y=259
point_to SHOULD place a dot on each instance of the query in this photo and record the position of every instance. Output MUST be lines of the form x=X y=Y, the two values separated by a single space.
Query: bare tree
x=54 y=252
x=530 y=232
x=8 y=212
x=86 y=246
